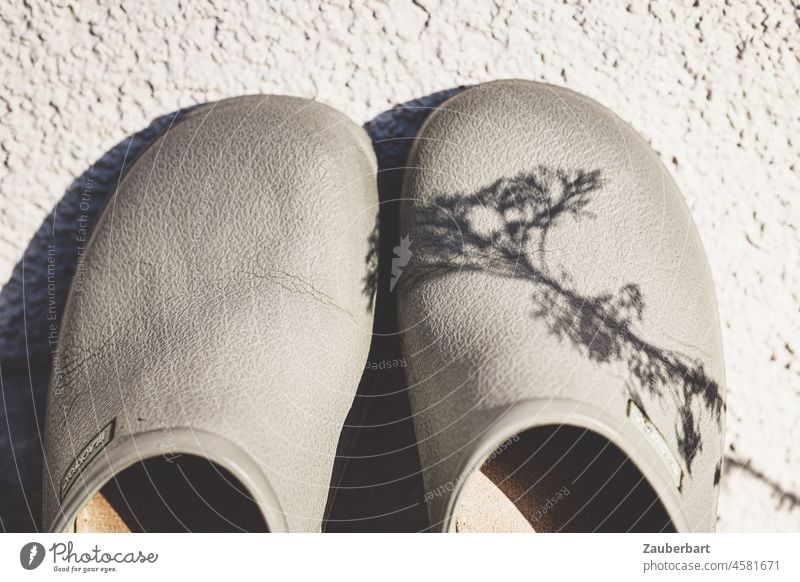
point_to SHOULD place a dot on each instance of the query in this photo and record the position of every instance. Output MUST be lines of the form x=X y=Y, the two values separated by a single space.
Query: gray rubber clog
x=559 y=320
x=218 y=325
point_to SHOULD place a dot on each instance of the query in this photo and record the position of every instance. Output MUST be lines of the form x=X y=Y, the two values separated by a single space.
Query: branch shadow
x=523 y=210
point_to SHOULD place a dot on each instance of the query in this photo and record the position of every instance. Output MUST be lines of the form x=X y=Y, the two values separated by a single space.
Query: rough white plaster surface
x=713 y=85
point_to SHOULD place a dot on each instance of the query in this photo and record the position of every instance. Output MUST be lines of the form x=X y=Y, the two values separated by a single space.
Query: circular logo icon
x=31 y=555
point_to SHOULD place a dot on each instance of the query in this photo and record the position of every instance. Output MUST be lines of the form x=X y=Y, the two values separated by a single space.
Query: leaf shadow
x=502 y=229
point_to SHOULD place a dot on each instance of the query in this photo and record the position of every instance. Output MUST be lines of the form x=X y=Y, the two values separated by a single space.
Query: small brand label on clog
x=89 y=452
x=656 y=439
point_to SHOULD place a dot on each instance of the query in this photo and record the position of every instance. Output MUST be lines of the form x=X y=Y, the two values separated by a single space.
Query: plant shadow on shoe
x=377 y=485
x=543 y=290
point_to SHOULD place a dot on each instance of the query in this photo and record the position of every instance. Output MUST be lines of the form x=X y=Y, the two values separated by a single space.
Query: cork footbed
x=559 y=478
x=171 y=494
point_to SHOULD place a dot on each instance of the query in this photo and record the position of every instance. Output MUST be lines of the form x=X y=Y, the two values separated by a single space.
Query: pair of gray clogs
x=557 y=315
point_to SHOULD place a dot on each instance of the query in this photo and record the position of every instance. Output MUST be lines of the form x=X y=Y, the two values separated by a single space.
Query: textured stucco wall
x=713 y=87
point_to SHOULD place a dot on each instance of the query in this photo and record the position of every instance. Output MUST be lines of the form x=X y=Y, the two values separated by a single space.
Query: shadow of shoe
x=377 y=483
